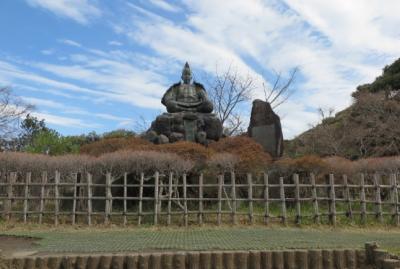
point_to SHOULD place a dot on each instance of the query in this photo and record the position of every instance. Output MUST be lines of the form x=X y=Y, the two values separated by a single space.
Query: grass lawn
x=100 y=239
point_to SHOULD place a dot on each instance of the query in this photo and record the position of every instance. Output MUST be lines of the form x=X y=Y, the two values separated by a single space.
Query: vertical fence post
x=347 y=197
x=26 y=195
x=170 y=178
x=185 y=206
x=108 y=197
x=283 y=200
x=8 y=206
x=332 y=200
x=297 y=198
x=42 y=194
x=314 y=199
x=74 y=199
x=56 y=197
x=362 y=199
x=140 y=209
x=13 y=179
x=219 y=206
x=201 y=199
x=233 y=198
x=378 y=201
x=89 y=197
x=395 y=199
x=156 y=189
x=250 y=198
x=125 y=198
x=266 y=199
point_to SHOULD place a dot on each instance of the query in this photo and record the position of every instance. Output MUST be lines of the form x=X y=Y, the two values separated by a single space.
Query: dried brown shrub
x=340 y=165
x=109 y=145
x=252 y=157
x=142 y=161
x=116 y=162
x=382 y=165
x=187 y=150
x=305 y=164
x=222 y=162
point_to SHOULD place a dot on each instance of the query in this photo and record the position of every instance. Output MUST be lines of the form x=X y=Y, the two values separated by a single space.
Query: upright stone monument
x=188 y=114
x=265 y=128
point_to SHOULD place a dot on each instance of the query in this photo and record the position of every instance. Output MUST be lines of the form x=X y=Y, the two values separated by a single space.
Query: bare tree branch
x=228 y=90
x=281 y=89
x=11 y=110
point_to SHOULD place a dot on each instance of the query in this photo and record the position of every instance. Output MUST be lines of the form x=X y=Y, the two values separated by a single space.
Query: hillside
x=370 y=127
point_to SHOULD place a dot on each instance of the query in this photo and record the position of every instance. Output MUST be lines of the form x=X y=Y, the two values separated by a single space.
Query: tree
x=119 y=133
x=30 y=127
x=227 y=91
x=387 y=82
x=12 y=109
x=281 y=89
x=51 y=142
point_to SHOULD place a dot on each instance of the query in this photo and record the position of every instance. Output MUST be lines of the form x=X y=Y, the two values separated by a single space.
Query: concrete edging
x=370 y=257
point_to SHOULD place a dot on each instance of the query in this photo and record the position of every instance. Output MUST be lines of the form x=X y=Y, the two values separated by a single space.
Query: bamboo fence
x=165 y=198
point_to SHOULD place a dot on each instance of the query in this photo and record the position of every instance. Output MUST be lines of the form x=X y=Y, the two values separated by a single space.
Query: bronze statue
x=188 y=115
x=187 y=96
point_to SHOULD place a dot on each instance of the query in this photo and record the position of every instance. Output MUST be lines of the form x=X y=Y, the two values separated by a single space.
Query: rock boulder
x=265 y=128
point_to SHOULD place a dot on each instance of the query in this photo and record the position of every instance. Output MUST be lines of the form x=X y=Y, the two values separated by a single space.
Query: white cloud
x=40 y=103
x=80 y=11
x=64 y=121
x=165 y=5
x=47 y=52
x=70 y=43
x=115 y=43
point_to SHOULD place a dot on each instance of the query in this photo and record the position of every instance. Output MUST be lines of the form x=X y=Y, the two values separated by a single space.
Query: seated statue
x=187 y=96
x=188 y=115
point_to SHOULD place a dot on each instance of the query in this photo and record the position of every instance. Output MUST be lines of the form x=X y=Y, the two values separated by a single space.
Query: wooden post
x=74 y=199
x=378 y=201
x=10 y=194
x=250 y=198
x=219 y=209
x=283 y=200
x=362 y=200
x=156 y=182
x=315 y=199
x=170 y=179
x=26 y=194
x=108 y=205
x=89 y=202
x=394 y=197
x=347 y=196
x=233 y=198
x=42 y=194
x=201 y=199
x=125 y=198
x=56 y=197
x=266 y=199
x=332 y=200
x=185 y=207
x=11 y=179
x=140 y=209
x=297 y=198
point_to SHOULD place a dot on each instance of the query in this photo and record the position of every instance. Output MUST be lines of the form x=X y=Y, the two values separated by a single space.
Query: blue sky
x=101 y=65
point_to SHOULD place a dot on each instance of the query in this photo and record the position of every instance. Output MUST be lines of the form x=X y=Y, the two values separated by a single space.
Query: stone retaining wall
x=371 y=257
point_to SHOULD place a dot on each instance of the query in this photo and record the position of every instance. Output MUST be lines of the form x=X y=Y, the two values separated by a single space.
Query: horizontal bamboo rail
x=168 y=198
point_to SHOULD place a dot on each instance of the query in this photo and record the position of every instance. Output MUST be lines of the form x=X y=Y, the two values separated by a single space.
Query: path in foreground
x=226 y=238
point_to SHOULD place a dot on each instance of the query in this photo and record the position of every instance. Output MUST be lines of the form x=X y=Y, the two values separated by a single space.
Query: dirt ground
x=11 y=245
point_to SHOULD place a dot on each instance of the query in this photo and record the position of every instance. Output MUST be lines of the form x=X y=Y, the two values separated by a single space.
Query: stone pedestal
x=189 y=126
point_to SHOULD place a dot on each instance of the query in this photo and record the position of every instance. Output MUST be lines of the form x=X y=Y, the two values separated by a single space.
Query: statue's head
x=186 y=74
